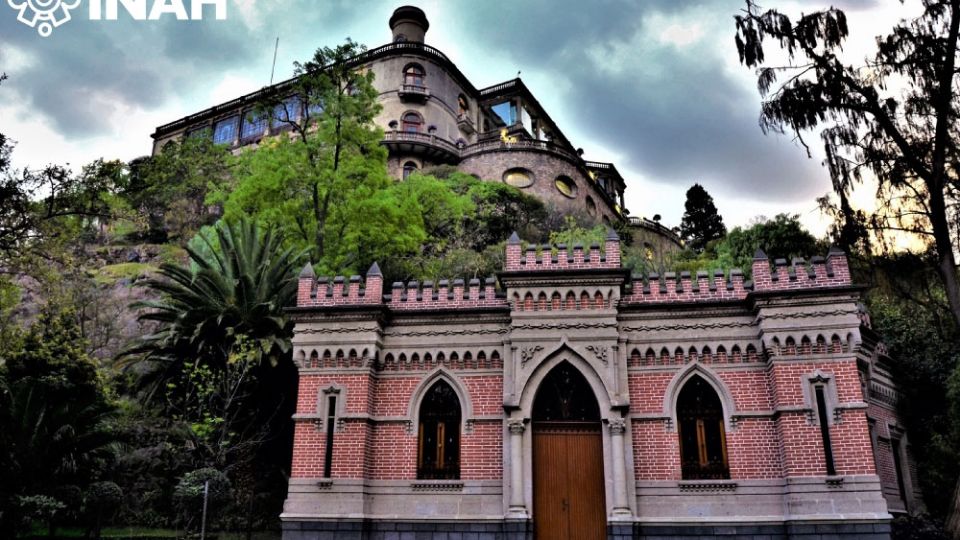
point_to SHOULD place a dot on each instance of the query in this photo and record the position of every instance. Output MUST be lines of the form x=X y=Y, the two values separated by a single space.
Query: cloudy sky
x=652 y=85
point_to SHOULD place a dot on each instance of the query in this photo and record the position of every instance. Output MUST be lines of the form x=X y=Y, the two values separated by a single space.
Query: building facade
x=433 y=115
x=567 y=399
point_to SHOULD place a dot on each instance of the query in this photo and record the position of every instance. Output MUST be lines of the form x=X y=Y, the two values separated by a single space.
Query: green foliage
x=922 y=527
x=188 y=495
x=55 y=414
x=101 y=502
x=238 y=288
x=325 y=185
x=112 y=273
x=701 y=223
x=169 y=189
x=909 y=309
x=575 y=233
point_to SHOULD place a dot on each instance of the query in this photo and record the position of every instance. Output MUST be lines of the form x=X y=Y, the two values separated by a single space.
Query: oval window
x=519 y=178
x=567 y=186
x=591 y=206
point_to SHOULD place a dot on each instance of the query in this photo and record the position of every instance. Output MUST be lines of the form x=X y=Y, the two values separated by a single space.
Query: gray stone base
x=438 y=530
x=399 y=530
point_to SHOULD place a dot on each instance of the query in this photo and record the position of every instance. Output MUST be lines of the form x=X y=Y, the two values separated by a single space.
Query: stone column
x=518 y=508
x=621 y=507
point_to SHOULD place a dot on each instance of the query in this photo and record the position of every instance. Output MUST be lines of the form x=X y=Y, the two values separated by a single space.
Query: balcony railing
x=422 y=138
x=544 y=146
x=413 y=92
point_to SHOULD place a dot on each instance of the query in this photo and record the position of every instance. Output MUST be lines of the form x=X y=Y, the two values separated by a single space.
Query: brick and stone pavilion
x=567 y=399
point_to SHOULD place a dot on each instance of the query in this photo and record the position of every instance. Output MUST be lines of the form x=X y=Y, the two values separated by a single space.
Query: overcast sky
x=653 y=85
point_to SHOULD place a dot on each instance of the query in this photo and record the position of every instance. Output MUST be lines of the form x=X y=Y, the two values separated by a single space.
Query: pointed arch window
x=438 y=435
x=703 y=441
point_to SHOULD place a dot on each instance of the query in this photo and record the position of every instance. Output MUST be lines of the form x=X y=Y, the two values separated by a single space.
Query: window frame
x=234 y=129
x=445 y=425
x=405 y=123
x=704 y=470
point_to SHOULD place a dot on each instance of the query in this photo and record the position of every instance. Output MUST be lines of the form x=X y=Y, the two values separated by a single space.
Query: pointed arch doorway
x=568 y=488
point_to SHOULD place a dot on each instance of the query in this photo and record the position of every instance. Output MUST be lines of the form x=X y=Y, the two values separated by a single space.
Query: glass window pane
x=225 y=131
x=253 y=125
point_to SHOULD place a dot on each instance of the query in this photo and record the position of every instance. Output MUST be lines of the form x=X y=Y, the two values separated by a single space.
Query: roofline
x=390 y=49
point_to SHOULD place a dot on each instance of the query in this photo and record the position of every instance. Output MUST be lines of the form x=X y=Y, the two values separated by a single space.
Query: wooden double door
x=568 y=487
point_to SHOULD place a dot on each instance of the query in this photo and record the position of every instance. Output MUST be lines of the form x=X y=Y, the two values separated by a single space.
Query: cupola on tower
x=409 y=24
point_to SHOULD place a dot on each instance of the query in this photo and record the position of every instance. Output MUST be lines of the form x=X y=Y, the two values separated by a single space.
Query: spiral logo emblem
x=44 y=15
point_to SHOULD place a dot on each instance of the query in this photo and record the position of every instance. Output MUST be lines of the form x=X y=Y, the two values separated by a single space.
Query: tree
x=170 y=189
x=55 y=415
x=701 y=223
x=220 y=360
x=238 y=286
x=891 y=118
x=324 y=182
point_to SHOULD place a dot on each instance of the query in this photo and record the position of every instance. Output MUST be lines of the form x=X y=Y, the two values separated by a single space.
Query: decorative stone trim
x=599 y=351
x=517 y=426
x=528 y=353
x=707 y=487
x=617 y=426
x=437 y=486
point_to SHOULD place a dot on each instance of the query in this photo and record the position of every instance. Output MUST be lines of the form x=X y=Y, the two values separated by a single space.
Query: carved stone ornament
x=600 y=352
x=617 y=426
x=517 y=426
x=527 y=353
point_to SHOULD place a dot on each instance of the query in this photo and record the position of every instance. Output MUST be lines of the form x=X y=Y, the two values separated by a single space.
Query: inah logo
x=45 y=15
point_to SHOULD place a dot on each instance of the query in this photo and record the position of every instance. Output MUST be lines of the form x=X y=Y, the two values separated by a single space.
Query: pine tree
x=701 y=223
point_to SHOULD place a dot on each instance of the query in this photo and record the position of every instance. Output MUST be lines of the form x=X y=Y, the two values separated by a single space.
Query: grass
x=115 y=272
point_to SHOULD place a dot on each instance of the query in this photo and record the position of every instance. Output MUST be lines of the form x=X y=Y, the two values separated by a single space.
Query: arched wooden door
x=568 y=488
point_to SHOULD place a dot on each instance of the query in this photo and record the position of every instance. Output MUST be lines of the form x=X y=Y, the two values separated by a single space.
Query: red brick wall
x=387 y=450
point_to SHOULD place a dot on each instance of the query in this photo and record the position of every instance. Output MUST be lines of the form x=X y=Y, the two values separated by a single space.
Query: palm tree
x=219 y=359
x=237 y=285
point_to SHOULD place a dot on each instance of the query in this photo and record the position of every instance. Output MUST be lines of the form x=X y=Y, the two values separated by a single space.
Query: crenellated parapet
x=357 y=291
x=832 y=271
x=686 y=288
x=340 y=290
x=561 y=257
x=445 y=295
x=818 y=272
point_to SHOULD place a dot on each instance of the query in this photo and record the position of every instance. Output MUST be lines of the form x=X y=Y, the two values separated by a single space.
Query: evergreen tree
x=701 y=223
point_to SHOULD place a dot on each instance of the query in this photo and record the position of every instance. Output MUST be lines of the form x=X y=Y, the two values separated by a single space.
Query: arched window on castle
x=438 y=439
x=703 y=441
x=413 y=75
x=412 y=122
x=408 y=169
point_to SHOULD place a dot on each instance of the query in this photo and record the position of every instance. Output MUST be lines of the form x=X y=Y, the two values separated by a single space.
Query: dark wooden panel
x=588 y=513
x=568 y=496
x=550 y=504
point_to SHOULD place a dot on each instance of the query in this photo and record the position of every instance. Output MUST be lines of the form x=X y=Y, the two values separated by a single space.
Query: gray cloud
x=676 y=114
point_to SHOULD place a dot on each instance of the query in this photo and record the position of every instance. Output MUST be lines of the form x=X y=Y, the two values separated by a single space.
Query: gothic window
x=408 y=169
x=438 y=439
x=412 y=122
x=703 y=442
x=413 y=75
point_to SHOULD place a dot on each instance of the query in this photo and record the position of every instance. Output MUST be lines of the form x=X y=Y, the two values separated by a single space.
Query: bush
x=188 y=495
